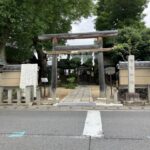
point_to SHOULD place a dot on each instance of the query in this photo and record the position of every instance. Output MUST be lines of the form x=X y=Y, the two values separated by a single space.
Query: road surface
x=67 y=130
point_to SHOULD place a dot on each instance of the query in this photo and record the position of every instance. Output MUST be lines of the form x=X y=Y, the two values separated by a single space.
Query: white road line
x=93 y=124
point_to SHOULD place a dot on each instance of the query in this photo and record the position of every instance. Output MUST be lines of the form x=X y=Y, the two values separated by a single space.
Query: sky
x=147 y=18
x=87 y=25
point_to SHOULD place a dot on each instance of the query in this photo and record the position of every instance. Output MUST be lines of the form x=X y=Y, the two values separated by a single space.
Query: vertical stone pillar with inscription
x=131 y=74
x=131 y=95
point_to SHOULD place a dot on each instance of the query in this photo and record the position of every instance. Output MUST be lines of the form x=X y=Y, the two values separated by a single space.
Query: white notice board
x=29 y=76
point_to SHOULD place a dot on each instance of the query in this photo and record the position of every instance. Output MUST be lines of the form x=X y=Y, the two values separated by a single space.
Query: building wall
x=142 y=76
x=10 y=79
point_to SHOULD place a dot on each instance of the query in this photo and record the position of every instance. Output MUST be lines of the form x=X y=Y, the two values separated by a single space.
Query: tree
x=22 y=20
x=116 y=14
x=132 y=41
x=127 y=16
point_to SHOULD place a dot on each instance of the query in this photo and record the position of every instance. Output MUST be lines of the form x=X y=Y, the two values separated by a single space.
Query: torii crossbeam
x=70 y=36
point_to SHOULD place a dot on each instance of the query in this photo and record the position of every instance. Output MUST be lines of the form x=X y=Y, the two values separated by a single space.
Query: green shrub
x=70 y=84
x=71 y=79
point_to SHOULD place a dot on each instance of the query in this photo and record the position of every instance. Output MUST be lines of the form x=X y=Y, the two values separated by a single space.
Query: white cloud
x=86 y=25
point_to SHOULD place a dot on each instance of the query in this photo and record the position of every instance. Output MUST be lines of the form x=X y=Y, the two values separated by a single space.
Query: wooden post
x=54 y=72
x=102 y=85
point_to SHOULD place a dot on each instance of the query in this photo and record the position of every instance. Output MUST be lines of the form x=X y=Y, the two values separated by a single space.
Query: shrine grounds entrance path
x=88 y=96
x=81 y=95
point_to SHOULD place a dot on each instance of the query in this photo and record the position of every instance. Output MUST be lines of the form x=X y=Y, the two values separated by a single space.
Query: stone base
x=135 y=103
x=51 y=99
x=100 y=99
x=132 y=97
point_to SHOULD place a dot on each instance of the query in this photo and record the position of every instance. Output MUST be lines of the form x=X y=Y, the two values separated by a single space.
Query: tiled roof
x=8 y=68
x=138 y=64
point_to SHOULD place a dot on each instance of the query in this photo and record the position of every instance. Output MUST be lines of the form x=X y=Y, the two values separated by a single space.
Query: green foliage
x=132 y=41
x=69 y=64
x=119 y=13
x=75 y=63
x=133 y=37
x=70 y=83
x=144 y=45
x=21 y=20
x=70 y=86
x=71 y=79
x=88 y=63
x=17 y=56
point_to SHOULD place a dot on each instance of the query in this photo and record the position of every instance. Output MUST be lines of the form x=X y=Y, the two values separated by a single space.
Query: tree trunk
x=2 y=53
x=42 y=60
x=3 y=40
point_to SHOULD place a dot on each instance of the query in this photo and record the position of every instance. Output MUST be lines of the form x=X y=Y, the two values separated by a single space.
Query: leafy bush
x=71 y=79
x=70 y=84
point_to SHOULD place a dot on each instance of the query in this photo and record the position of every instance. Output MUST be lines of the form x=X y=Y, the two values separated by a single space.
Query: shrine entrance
x=97 y=48
x=85 y=75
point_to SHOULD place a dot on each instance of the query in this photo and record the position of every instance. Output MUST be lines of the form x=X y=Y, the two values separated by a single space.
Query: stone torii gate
x=98 y=47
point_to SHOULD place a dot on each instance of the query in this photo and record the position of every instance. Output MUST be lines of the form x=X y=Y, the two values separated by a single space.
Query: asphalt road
x=47 y=130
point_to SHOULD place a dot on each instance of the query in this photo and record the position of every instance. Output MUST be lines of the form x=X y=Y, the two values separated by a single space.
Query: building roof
x=9 y=68
x=138 y=64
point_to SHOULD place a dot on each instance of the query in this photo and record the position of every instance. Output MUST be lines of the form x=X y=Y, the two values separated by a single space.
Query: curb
x=76 y=108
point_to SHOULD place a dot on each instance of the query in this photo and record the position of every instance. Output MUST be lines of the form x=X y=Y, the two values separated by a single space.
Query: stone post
x=131 y=74
x=18 y=95
x=28 y=94
x=34 y=92
x=1 y=94
x=131 y=95
x=148 y=93
x=9 y=96
x=116 y=96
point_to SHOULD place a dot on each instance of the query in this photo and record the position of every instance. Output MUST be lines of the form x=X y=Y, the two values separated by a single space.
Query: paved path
x=80 y=94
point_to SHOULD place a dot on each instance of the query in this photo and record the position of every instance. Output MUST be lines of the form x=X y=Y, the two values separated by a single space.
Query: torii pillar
x=54 y=72
x=101 y=75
